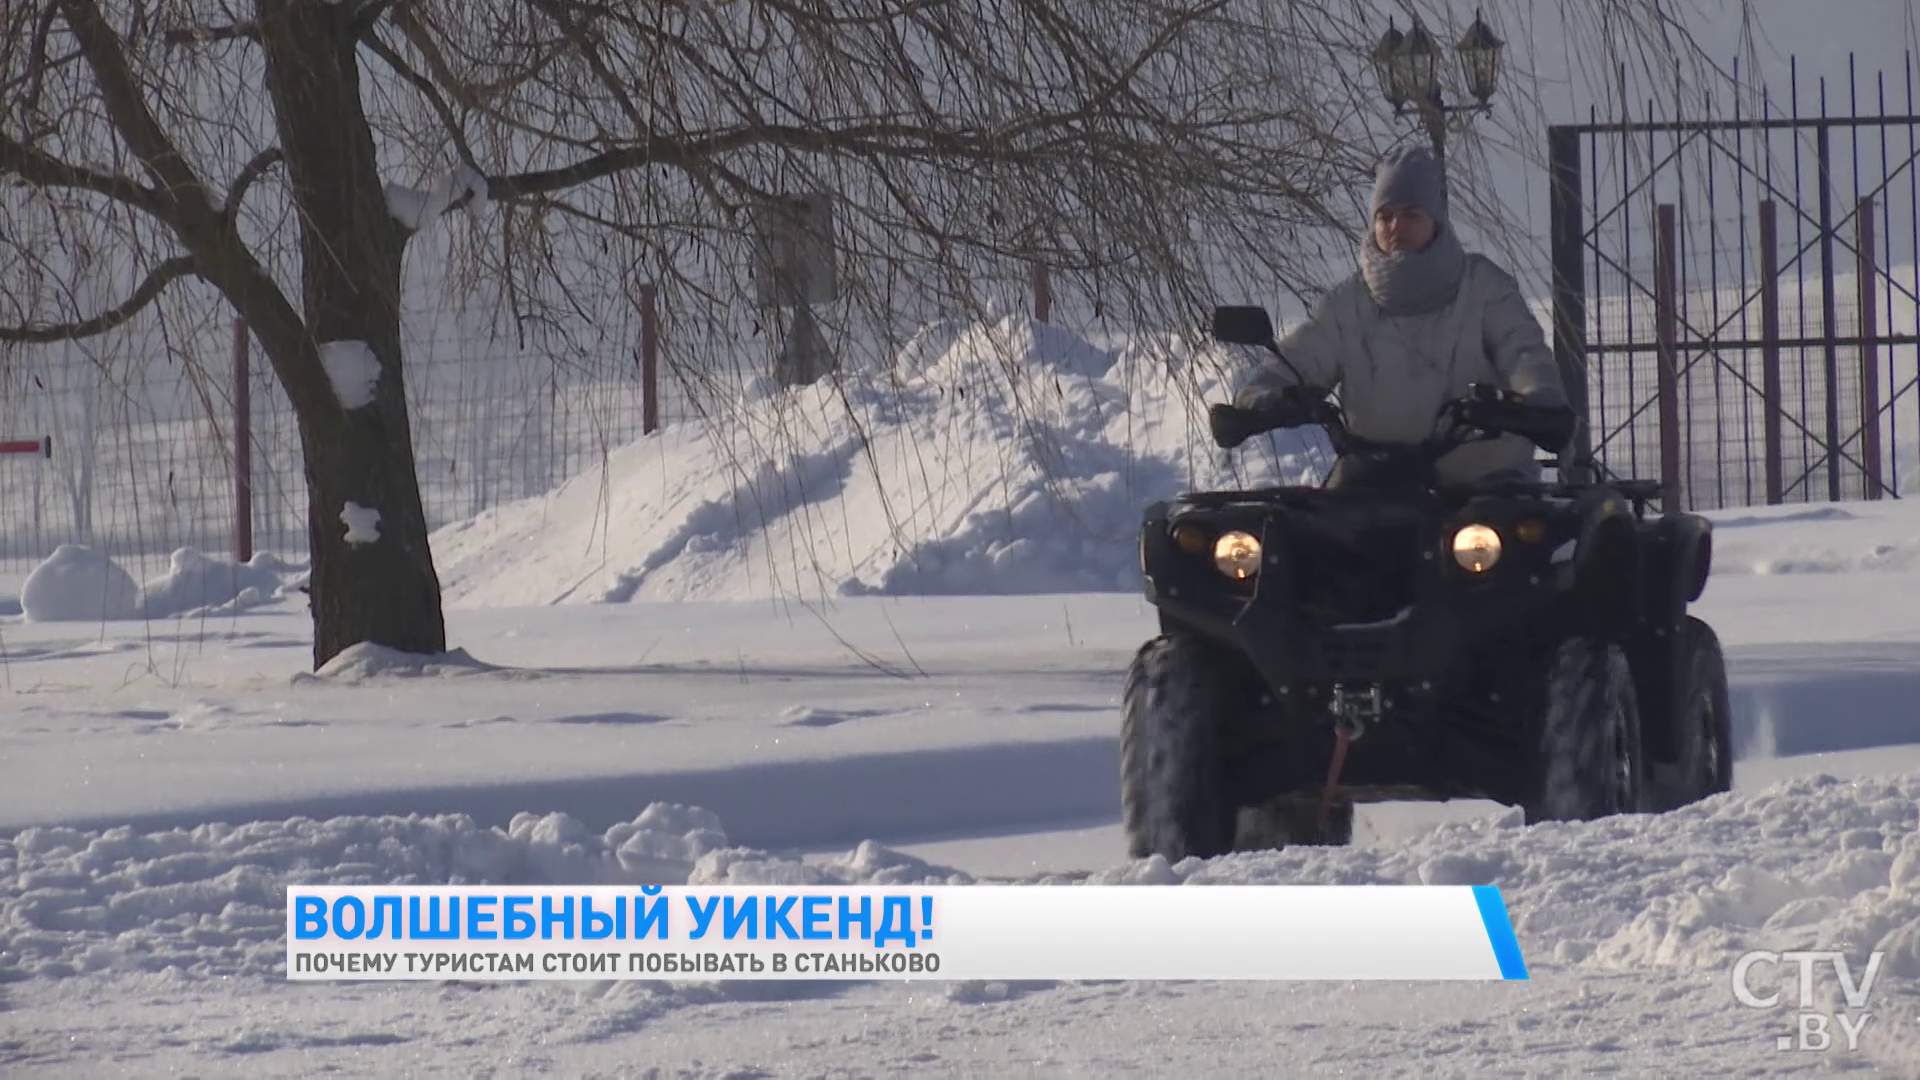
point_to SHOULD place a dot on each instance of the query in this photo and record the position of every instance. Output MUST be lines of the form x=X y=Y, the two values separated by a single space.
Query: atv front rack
x=1639 y=492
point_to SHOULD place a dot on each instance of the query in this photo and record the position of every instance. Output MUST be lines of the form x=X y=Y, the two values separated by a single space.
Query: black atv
x=1387 y=638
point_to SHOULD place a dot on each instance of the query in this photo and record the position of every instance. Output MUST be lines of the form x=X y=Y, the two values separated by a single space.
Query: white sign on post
x=794 y=258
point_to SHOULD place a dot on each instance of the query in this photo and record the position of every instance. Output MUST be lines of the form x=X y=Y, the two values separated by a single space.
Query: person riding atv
x=1436 y=621
x=1418 y=323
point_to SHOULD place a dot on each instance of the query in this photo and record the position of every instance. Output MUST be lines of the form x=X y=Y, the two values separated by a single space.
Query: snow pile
x=1873 y=537
x=1811 y=863
x=213 y=899
x=365 y=660
x=1814 y=863
x=78 y=584
x=197 y=584
x=868 y=864
x=1010 y=458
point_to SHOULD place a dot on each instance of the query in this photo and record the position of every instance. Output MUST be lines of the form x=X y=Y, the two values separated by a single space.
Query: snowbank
x=212 y=900
x=77 y=584
x=1810 y=863
x=1009 y=458
x=365 y=661
x=1871 y=537
x=1813 y=863
x=197 y=584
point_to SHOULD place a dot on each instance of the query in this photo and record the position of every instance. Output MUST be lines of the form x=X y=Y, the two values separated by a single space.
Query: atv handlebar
x=1486 y=412
x=1497 y=412
x=1232 y=425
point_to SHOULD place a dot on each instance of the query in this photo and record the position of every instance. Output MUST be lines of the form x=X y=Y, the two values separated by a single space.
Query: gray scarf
x=1414 y=282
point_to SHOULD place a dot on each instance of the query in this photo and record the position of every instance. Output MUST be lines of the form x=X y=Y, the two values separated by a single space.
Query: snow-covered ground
x=935 y=698
x=877 y=635
x=849 y=737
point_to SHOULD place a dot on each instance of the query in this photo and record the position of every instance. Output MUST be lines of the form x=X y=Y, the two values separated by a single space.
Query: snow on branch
x=461 y=186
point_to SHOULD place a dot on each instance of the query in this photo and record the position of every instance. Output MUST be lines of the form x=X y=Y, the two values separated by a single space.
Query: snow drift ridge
x=1012 y=457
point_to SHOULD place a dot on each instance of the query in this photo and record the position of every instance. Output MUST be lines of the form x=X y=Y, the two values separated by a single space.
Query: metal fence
x=1737 y=293
x=144 y=458
x=143 y=422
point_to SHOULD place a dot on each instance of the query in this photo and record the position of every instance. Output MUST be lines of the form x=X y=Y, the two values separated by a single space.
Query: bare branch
x=37 y=60
x=120 y=90
x=250 y=172
x=208 y=35
x=476 y=96
x=428 y=92
x=156 y=280
x=40 y=169
x=906 y=142
x=583 y=43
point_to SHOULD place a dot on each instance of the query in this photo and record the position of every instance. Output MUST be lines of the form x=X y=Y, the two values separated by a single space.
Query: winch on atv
x=1388 y=637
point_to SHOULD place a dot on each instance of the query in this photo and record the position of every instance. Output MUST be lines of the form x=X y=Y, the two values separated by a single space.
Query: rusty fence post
x=1667 y=331
x=649 y=360
x=1770 y=350
x=1865 y=275
x=242 y=446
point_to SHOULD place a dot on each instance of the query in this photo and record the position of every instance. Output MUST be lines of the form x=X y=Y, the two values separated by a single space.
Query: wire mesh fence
x=1749 y=280
x=144 y=457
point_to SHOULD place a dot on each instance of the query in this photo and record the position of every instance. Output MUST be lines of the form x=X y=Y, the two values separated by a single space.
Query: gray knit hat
x=1411 y=177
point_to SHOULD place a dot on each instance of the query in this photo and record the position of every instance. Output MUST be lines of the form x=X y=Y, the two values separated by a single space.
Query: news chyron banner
x=983 y=932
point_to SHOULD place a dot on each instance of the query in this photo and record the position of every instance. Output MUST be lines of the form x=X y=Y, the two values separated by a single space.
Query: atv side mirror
x=1242 y=326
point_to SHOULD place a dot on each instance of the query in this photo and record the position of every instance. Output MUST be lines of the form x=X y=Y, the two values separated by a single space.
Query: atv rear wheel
x=1590 y=760
x=1179 y=694
x=1702 y=722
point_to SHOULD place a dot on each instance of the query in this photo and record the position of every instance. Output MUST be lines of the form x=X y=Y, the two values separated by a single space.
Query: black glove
x=1552 y=427
x=1291 y=405
x=1232 y=425
x=1502 y=412
x=1251 y=415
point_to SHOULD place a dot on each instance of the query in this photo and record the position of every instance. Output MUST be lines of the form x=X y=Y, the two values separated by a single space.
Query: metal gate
x=1734 y=296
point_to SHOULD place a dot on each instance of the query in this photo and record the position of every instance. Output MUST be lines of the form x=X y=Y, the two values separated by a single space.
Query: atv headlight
x=1237 y=554
x=1476 y=548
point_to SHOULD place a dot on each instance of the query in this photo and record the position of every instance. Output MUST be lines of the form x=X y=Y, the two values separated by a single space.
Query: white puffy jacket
x=1394 y=373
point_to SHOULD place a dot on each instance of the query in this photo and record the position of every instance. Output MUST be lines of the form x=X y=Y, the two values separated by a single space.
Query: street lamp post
x=1408 y=68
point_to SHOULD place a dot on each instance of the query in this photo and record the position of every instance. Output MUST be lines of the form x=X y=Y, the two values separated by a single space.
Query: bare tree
x=202 y=152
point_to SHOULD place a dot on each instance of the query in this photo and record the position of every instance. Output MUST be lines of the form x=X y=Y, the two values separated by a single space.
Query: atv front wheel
x=1702 y=723
x=1590 y=760
x=1178 y=695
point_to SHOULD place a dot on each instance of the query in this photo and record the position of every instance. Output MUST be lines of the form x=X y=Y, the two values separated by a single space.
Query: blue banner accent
x=1506 y=947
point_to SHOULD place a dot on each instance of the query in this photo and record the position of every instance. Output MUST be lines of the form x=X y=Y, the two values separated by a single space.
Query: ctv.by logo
x=1813 y=1026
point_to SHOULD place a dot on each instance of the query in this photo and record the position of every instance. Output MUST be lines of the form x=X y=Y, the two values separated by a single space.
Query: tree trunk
x=369 y=584
x=385 y=591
